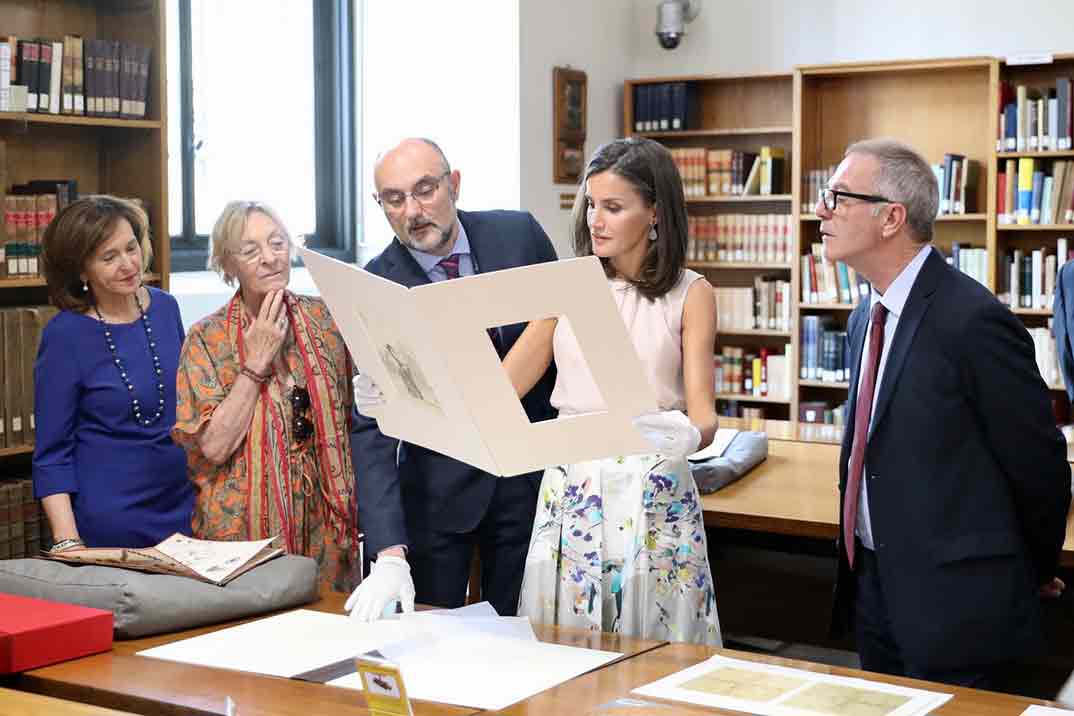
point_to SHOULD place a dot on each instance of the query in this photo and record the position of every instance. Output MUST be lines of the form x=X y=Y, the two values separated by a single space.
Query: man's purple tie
x=450 y=264
x=863 y=412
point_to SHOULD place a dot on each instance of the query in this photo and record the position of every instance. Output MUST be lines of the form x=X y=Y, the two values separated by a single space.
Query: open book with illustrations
x=205 y=560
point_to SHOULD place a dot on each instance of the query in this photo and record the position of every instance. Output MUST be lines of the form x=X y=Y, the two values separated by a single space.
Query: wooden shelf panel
x=80 y=121
x=943 y=218
x=1048 y=154
x=826 y=307
x=1035 y=227
x=1032 y=311
x=735 y=131
x=32 y=281
x=753 y=332
x=823 y=384
x=737 y=199
x=17 y=450
x=744 y=398
x=738 y=265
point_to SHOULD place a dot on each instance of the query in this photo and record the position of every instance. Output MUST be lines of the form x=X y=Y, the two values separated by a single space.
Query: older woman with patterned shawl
x=264 y=403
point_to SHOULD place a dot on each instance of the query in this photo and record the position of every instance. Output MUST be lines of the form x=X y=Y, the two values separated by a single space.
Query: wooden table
x=121 y=680
x=20 y=703
x=795 y=491
x=585 y=694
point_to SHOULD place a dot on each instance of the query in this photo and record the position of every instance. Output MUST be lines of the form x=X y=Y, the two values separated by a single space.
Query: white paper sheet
x=769 y=690
x=488 y=672
x=1046 y=711
x=717 y=447
x=444 y=385
x=443 y=658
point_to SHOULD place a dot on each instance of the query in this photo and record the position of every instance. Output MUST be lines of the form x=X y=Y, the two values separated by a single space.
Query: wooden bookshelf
x=938 y=106
x=743 y=113
x=124 y=157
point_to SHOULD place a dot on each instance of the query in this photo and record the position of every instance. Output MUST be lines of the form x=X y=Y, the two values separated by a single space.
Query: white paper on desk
x=488 y=672
x=286 y=644
x=506 y=627
x=445 y=386
x=770 y=690
x=479 y=609
x=717 y=447
x=1035 y=710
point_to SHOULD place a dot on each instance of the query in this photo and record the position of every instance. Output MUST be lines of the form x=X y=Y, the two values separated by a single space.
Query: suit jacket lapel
x=485 y=246
x=402 y=268
x=912 y=313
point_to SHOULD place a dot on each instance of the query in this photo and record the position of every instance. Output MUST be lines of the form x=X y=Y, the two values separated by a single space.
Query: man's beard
x=445 y=236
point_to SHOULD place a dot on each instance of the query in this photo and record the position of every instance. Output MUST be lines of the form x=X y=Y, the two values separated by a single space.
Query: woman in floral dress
x=619 y=543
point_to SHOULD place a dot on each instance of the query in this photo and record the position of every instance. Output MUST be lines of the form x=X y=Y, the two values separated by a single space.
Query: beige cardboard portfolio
x=428 y=350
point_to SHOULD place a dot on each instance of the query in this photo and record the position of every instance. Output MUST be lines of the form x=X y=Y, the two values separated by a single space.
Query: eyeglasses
x=424 y=191
x=301 y=427
x=251 y=251
x=829 y=198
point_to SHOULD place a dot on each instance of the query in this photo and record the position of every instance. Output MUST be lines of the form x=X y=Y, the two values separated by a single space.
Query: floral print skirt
x=619 y=545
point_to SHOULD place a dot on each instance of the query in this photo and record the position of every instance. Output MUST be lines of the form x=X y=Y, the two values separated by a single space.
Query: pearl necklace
x=135 y=406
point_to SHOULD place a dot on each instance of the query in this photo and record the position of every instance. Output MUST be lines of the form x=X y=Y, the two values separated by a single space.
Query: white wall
x=447 y=71
x=731 y=37
x=589 y=35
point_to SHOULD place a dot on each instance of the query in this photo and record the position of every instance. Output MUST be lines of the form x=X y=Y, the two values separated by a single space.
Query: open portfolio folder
x=445 y=388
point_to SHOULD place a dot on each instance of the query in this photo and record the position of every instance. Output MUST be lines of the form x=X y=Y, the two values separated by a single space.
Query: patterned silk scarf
x=270 y=497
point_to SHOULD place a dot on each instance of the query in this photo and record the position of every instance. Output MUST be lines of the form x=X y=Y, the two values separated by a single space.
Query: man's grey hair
x=903 y=176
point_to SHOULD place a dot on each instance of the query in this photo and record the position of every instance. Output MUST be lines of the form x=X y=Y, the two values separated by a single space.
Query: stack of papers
x=769 y=690
x=468 y=657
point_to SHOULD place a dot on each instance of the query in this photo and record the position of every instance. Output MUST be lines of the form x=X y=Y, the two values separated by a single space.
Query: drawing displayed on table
x=742 y=684
x=841 y=700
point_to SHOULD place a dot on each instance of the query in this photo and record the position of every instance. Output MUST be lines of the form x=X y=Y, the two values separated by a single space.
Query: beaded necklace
x=135 y=406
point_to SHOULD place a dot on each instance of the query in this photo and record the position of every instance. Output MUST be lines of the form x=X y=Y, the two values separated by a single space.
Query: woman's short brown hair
x=73 y=236
x=649 y=168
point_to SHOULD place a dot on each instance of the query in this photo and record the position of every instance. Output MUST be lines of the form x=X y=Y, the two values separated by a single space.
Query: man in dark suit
x=422 y=512
x=953 y=476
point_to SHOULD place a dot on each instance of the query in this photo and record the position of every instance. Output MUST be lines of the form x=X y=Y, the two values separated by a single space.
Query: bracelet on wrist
x=254 y=376
x=66 y=544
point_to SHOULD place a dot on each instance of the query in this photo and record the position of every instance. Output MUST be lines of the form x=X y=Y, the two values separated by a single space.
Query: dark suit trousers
x=440 y=561
x=876 y=643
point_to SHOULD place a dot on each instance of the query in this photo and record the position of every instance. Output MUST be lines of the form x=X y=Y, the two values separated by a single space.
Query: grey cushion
x=746 y=450
x=145 y=604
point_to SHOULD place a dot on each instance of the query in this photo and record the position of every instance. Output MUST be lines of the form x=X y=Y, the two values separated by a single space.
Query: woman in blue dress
x=105 y=467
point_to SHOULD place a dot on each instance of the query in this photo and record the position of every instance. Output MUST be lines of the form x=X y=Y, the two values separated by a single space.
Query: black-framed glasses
x=301 y=426
x=829 y=198
x=394 y=200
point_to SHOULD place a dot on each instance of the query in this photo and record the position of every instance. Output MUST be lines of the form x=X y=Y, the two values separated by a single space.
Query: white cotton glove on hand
x=388 y=580
x=669 y=432
x=367 y=396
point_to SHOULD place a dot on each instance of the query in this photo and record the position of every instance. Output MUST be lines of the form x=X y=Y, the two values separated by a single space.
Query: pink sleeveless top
x=655 y=327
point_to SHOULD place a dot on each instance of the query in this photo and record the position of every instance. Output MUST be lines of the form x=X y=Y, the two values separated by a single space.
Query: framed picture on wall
x=569 y=125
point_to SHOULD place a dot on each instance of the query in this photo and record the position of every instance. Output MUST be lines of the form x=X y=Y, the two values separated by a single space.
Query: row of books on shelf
x=971 y=261
x=1035 y=191
x=24 y=529
x=734 y=409
x=830 y=282
x=20 y=334
x=822 y=412
x=1027 y=278
x=955 y=178
x=95 y=77
x=764 y=306
x=1035 y=118
x=825 y=351
x=729 y=172
x=666 y=107
x=27 y=211
x=813 y=181
x=740 y=238
x=1046 y=354
x=758 y=373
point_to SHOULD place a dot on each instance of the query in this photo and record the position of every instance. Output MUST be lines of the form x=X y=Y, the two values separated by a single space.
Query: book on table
x=205 y=560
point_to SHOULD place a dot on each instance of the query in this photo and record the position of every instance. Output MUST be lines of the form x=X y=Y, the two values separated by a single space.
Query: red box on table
x=36 y=632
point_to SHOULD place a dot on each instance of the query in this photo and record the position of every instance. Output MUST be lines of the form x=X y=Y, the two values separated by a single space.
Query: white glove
x=388 y=581
x=367 y=396
x=669 y=432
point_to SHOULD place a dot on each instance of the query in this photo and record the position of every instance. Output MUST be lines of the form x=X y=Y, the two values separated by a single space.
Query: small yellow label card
x=383 y=686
